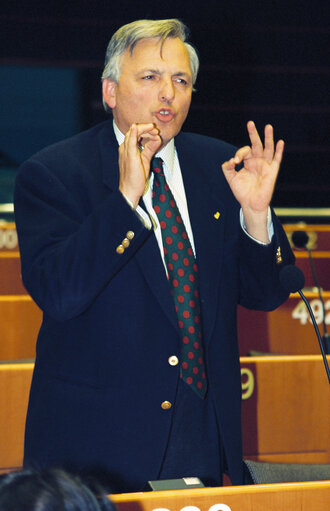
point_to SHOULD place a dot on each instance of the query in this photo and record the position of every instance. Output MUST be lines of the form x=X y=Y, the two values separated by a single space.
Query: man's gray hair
x=129 y=35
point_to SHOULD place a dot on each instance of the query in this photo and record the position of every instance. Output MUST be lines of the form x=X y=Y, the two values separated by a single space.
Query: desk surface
x=311 y=496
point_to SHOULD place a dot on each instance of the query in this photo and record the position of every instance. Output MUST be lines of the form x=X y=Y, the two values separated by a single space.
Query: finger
x=269 y=143
x=149 y=137
x=279 y=152
x=229 y=165
x=131 y=139
x=256 y=144
x=145 y=128
x=242 y=154
x=153 y=142
x=228 y=168
x=134 y=140
x=132 y=131
x=137 y=130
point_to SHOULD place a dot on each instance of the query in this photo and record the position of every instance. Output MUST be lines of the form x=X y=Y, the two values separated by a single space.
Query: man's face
x=155 y=85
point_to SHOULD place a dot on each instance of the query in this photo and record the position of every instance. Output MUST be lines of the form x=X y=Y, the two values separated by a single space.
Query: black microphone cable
x=300 y=240
x=292 y=280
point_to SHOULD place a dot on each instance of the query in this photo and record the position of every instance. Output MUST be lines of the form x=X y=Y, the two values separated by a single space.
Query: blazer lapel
x=147 y=256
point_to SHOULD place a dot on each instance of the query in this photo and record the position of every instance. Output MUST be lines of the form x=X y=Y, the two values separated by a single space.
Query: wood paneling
x=15 y=381
x=20 y=320
x=10 y=274
x=288 y=330
x=287 y=417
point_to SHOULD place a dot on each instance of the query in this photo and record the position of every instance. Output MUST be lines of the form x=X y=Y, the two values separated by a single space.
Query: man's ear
x=109 y=92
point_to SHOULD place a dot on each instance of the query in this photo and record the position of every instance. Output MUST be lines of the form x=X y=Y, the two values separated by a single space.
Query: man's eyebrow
x=158 y=72
x=181 y=73
x=151 y=71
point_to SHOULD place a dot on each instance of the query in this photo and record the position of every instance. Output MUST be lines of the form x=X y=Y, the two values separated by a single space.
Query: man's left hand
x=254 y=184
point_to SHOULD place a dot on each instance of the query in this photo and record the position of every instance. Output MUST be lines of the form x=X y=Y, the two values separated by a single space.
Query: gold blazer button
x=166 y=405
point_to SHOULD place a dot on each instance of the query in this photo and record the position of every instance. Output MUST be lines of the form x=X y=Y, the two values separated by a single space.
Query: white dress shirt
x=174 y=180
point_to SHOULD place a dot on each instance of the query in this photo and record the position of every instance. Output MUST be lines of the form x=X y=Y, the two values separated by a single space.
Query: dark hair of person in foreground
x=51 y=490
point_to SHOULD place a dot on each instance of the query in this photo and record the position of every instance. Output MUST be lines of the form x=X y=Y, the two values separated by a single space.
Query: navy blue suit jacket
x=109 y=324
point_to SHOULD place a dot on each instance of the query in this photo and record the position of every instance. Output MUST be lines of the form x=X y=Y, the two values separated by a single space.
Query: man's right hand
x=141 y=142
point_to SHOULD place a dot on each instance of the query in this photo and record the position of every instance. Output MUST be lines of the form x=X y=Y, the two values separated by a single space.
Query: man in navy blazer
x=106 y=393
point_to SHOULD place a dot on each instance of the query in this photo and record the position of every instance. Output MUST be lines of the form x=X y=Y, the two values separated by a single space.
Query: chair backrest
x=266 y=473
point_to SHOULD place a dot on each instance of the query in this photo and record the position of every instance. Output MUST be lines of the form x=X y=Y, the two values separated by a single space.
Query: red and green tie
x=183 y=277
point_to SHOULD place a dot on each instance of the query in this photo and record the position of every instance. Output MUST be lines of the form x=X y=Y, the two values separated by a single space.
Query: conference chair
x=259 y=472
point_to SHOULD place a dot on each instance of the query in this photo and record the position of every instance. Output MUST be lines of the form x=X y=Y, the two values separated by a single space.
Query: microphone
x=300 y=239
x=292 y=280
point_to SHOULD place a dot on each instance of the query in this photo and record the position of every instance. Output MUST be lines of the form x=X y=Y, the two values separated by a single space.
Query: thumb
x=228 y=169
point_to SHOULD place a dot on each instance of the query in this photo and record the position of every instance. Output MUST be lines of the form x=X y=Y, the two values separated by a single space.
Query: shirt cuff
x=143 y=215
x=270 y=227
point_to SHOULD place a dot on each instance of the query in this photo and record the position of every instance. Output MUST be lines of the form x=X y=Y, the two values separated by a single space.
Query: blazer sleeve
x=260 y=266
x=68 y=234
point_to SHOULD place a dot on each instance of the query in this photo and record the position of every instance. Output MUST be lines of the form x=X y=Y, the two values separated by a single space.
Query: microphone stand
x=317 y=333
x=300 y=240
x=326 y=336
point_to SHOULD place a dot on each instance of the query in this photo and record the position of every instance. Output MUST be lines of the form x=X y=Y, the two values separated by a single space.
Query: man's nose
x=166 y=91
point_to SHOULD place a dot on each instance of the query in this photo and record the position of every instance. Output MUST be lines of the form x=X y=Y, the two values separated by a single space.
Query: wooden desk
x=20 y=320
x=10 y=274
x=290 y=329
x=322 y=266
x=284 y=331
x=287 y=330
x=312 y=496
x=286 y=409
x=8 y=237
x=15 y=381
x=319 y=245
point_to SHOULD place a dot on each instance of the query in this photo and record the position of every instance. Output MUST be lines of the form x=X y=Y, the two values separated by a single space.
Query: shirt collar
x=167 y=152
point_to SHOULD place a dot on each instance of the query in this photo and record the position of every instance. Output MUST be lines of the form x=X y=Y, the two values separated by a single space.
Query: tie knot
x=157 y=165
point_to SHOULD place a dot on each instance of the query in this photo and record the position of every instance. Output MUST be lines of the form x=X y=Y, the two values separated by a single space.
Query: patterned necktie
x=183 y=277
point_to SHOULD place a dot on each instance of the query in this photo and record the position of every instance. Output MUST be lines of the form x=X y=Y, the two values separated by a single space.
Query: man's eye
x=148 y=77
x=181 y=80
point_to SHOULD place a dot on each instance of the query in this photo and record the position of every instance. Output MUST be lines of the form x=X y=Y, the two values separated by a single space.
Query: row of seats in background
x=286 y=413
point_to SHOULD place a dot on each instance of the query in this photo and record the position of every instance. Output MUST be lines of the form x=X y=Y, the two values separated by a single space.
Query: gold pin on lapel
x=278 y=255
x=217 y=215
